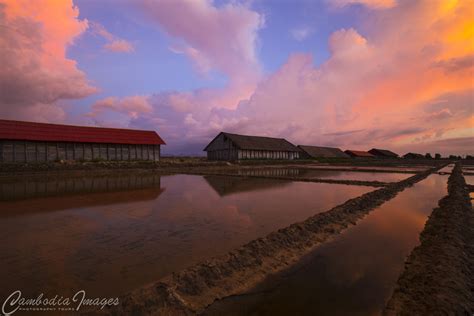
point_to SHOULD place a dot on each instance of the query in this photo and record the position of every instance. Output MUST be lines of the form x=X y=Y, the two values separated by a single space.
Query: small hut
x=310 y=152
x=383 y=153
x=227 y=146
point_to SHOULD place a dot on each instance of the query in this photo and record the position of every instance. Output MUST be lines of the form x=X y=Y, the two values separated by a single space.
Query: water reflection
x=310 y=173
x=111 y=241
x=353 y=175
x=21 y=195
x=355 y=273
x=225 y=185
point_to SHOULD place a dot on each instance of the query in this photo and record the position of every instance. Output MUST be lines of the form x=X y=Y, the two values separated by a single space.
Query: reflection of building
x=359 y=154
x=269 y=172
x=383 y=153
x=226 y=185
x=226 y=146
x=321 y=152
x=77 y=191
x=39 y=142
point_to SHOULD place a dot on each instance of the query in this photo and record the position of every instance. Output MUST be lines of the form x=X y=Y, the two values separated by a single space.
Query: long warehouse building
x=40 y=142
x=227 y=146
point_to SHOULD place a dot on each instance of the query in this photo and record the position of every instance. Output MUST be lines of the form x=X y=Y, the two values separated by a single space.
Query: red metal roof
x=18 y=130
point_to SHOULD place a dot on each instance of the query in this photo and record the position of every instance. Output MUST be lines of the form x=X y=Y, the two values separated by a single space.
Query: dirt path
x=191 y=290
x=439 y=274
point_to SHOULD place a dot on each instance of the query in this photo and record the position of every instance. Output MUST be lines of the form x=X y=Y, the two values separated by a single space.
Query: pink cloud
x=363 y=96
x=120 y=46
x=215 y=38
x=114 y=43
x=132 y=106
x=35 y=73
x=376 y=4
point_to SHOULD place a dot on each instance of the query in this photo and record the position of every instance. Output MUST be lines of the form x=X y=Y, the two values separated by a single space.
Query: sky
x=354 y=74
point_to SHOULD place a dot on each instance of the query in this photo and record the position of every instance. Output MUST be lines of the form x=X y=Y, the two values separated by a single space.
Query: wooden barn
x=227 y=146
x=39 y=142
x=321 y=152
x=359 y=154
x=383 y=153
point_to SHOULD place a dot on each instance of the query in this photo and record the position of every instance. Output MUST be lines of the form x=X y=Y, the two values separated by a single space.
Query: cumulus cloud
x=379 y=75
x=220 y=38
x=35 y=72
x=114 y=43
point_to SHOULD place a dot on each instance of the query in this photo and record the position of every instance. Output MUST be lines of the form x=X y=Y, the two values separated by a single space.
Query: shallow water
x=448 y=168
x=469 y=179
x=309 y=173
x=356 y=272
x=353 y=175
x=395 y=168
x=109 y=235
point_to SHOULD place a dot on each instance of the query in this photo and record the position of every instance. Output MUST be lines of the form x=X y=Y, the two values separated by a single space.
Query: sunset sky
x=355 y=74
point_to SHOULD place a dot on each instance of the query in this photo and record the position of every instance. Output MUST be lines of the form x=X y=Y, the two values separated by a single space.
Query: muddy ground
x=191 y=290
x=439 y=274
x=189 y=164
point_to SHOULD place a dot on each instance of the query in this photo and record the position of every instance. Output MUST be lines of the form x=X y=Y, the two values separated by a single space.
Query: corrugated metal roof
x=258 y=143
x=31 y=131
x=324 y=152
x=383 y=152
x=358 y=153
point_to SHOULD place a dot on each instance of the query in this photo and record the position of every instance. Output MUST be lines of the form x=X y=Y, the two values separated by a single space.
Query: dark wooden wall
x=26 y=151
x=238 y=154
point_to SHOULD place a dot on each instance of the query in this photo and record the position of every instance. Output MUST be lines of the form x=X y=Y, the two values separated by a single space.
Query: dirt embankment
x=191 y=290
x=190 y=164
x=439 y=274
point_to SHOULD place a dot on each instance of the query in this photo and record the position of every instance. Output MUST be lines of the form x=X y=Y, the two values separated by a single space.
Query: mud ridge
x=439 y=274
x=355 y=169
x=190 y=291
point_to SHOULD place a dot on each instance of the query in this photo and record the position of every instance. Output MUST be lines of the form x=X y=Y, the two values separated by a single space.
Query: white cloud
x=300 y=34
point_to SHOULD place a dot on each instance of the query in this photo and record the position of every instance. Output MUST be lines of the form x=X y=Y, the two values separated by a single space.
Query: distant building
x=383 y=153
x=359 y=154
x=413 y=156
x=227 y=146
x=321 y=152
x=39 y=142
